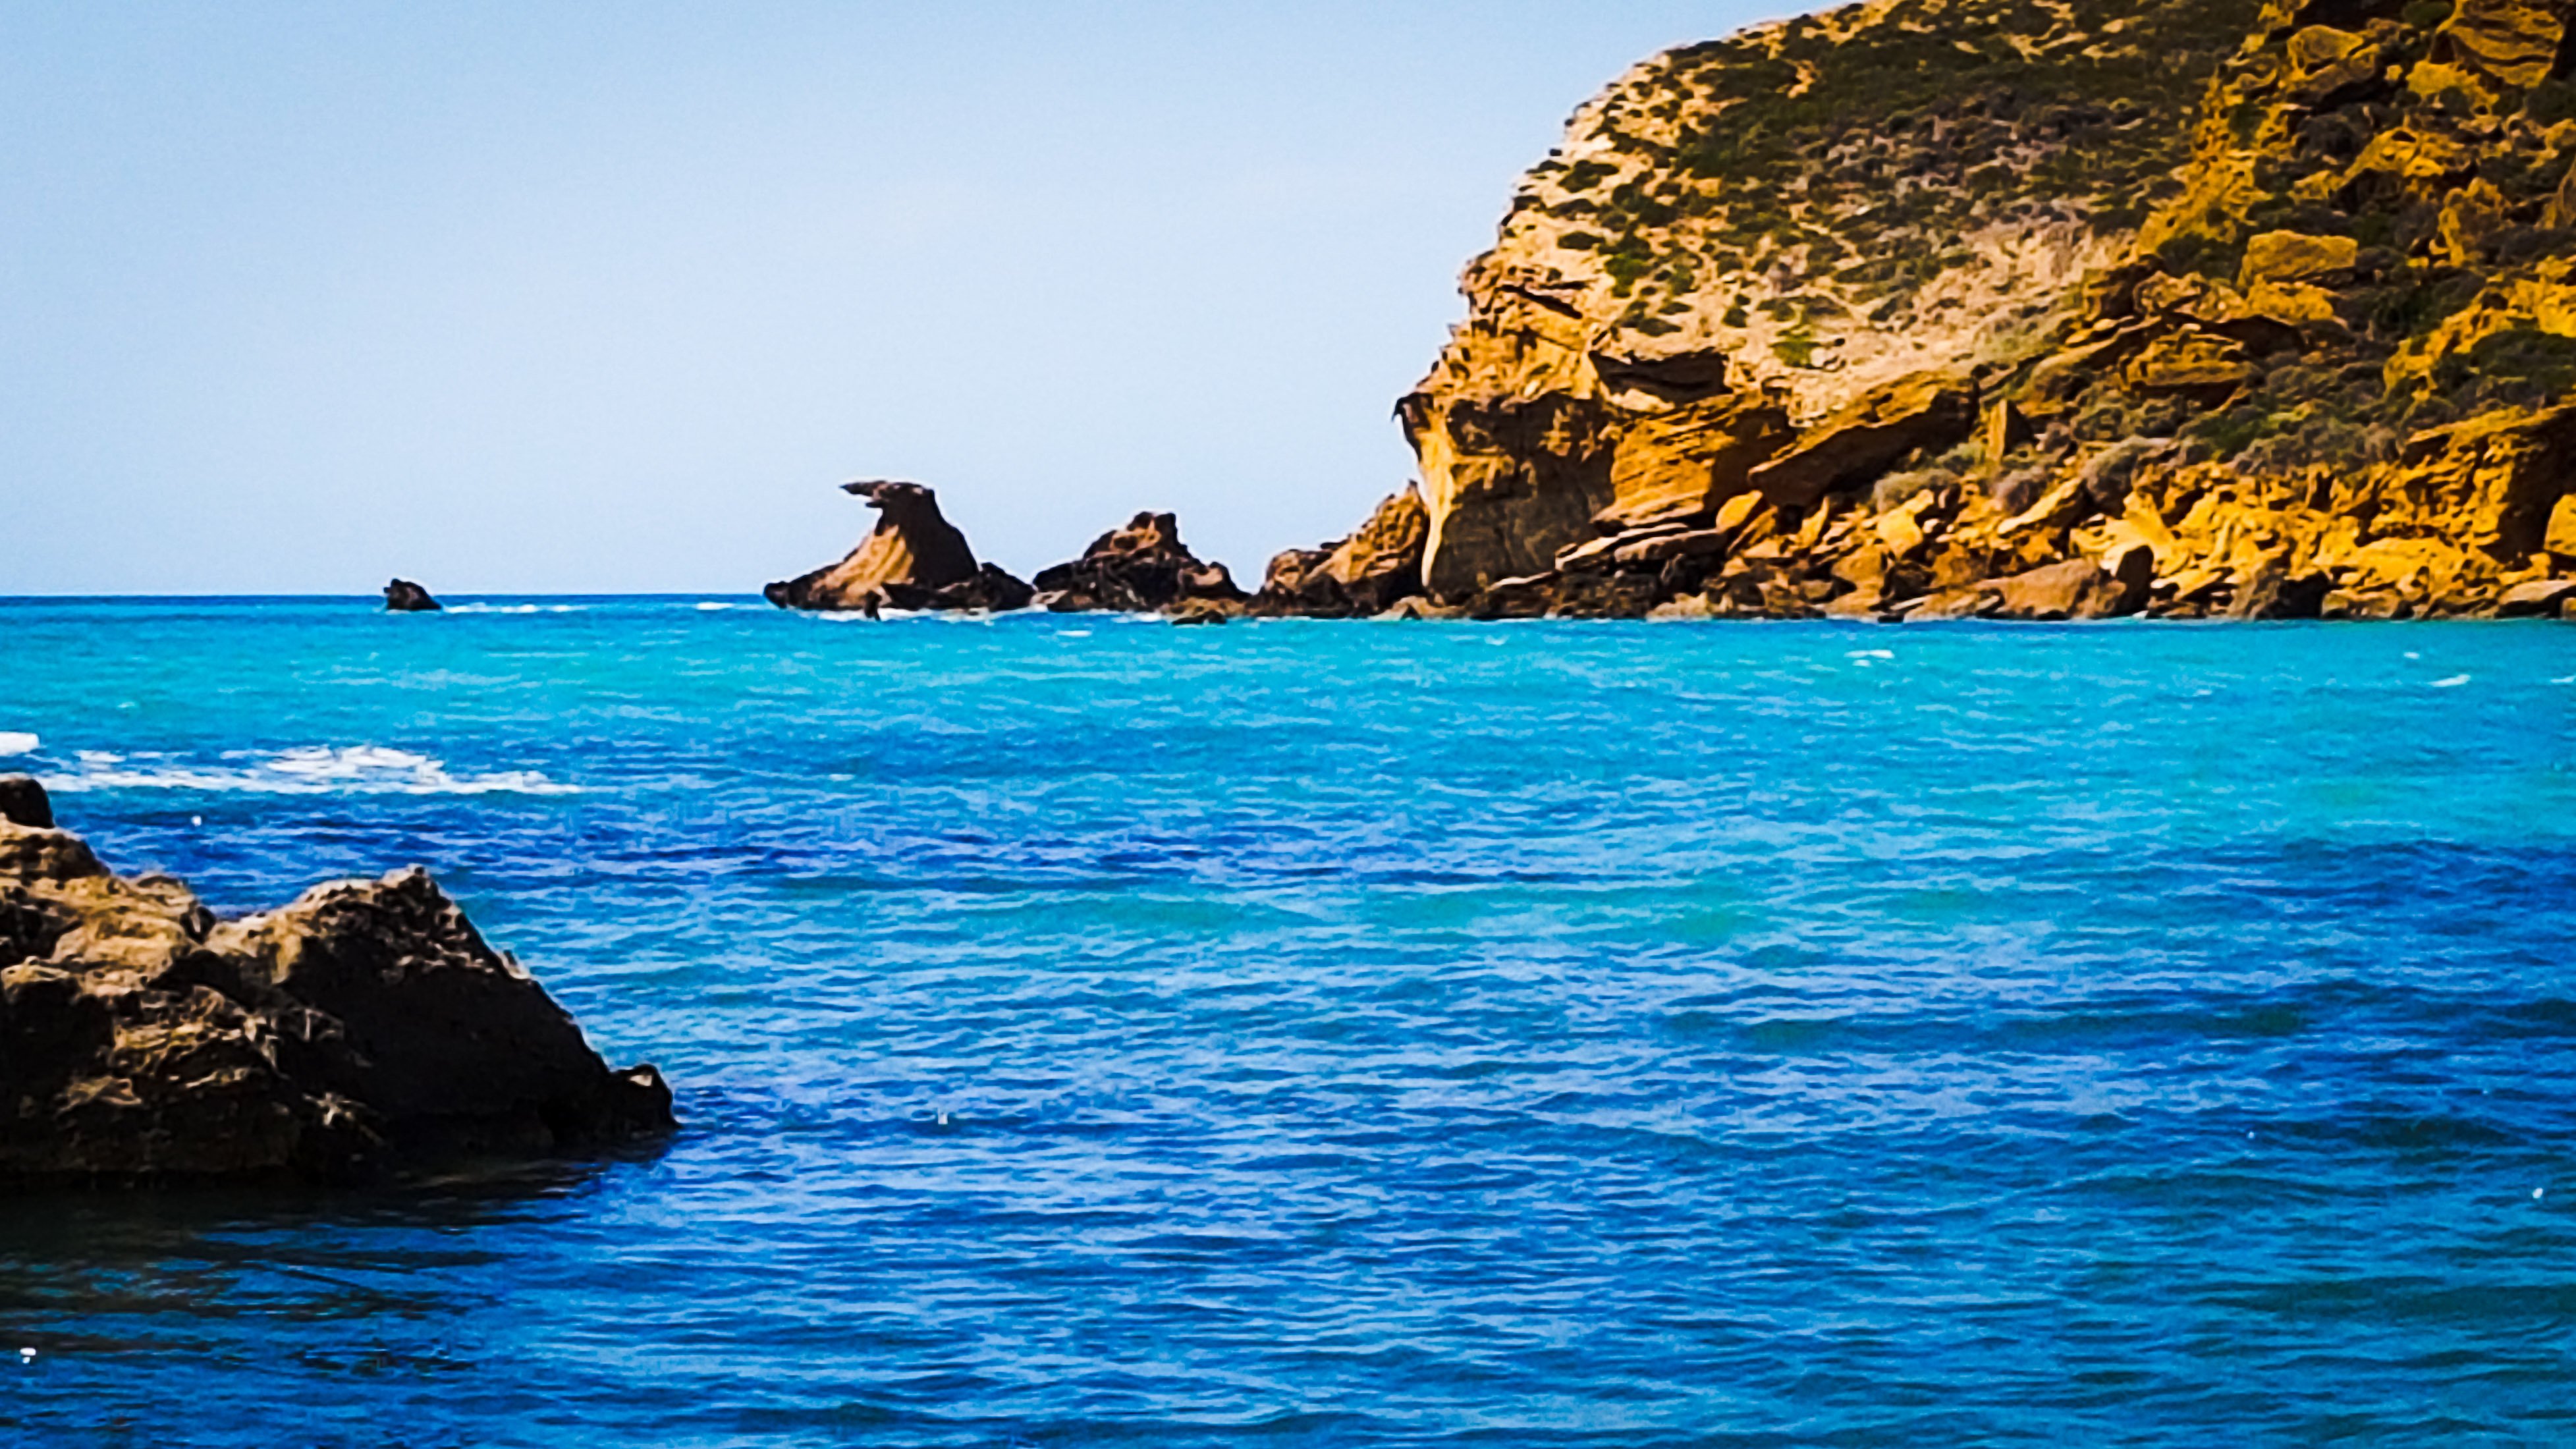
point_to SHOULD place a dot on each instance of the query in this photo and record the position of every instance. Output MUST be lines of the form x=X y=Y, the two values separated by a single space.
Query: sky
x=586 y=298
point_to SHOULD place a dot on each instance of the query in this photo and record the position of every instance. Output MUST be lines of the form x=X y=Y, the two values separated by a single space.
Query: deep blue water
x=1095 y=1032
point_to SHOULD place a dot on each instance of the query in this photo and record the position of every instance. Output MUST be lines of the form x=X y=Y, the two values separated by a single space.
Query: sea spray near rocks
x=299 y=770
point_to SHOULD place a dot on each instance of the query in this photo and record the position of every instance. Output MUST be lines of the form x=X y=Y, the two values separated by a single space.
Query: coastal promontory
x=1932 y=308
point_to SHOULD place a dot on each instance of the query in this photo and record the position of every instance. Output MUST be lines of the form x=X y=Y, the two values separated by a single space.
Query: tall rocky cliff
x=1939 y=307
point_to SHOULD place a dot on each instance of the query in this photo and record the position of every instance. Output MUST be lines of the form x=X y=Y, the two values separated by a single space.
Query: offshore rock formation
x=362 y=1027
x=402 y=596
x=1141 y=568
x=912 y=559
x=1369 y=572
x=2042 y=308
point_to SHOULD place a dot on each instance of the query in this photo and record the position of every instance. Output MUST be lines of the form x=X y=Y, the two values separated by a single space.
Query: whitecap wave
x=2454 y=682
x=517 y=608
x=18 y=742
x=304 y=770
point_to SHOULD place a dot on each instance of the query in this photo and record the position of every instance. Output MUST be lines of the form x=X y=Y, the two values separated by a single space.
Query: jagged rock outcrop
x=1365 y=573
x=402 y=596
x=360 y=1029
x=2043 y=308
x=912 y=559
x=1141 y=568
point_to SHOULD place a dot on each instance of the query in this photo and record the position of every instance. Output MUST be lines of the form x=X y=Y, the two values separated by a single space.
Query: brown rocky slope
x=1927 y=308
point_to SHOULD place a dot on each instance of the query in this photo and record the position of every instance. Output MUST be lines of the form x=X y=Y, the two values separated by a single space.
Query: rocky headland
x=362 y=1029
x=1930 y=308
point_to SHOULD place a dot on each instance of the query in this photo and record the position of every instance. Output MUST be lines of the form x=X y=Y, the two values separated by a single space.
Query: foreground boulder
x=1142 y=568
x=402 y=596
x=913 y=559
x=363 y=1028
x=23 y=802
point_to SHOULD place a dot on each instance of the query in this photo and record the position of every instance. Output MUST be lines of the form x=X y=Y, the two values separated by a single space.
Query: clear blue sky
x=565 y=297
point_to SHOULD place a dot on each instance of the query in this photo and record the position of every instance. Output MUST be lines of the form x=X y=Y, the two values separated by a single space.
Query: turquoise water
x=1095 y=1032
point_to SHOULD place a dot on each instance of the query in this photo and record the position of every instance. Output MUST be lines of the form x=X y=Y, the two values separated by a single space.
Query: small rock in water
x=402 y=596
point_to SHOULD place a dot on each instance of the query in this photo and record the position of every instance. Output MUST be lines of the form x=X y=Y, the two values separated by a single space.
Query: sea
x=1089 y=1031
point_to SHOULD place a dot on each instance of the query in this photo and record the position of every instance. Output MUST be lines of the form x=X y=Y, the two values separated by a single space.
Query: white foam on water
x=17 y=742
x=2454 y=682
x=717 y=608
x=1872 y=654
x=304 y=770
x=517 y=608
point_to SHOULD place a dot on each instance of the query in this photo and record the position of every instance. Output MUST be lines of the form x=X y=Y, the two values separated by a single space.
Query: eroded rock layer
x=1928 y=308
x=1368 y=572
x=364 y=1026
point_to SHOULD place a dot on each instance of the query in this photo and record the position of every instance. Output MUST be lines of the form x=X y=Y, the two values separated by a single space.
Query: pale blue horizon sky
x=583 y=297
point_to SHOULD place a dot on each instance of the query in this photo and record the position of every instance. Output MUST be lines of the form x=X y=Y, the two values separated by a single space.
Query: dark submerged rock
x=363 y=1028
x=402 y=596
x=23 y=802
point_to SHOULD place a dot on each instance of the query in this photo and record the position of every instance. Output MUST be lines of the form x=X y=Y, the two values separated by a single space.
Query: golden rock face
x=912 y=559
x=2280 y=296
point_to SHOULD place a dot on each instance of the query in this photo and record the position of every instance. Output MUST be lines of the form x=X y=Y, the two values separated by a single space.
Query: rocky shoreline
x=1949 y=550
x=363 y=1030
x=2028 y=309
